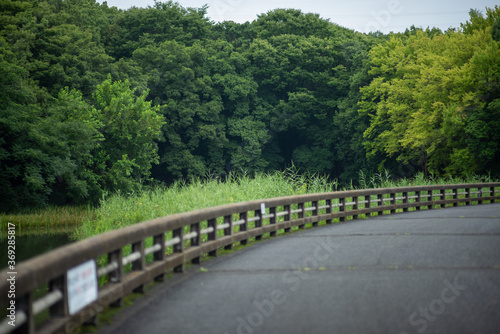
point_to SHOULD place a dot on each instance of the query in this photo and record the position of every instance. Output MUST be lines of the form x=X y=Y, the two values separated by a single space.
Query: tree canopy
x=95 y=99
x=434 y=99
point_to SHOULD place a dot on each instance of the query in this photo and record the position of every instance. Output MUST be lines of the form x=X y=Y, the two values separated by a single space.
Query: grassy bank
x=47 y=220
x=385 y=180
x=118 y=211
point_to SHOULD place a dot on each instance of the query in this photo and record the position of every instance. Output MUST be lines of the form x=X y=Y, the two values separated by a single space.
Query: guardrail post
x=328 y=203
x=139 y=264
x=272 y=220
x=443 y=198
x=228 y=230
x=116 y=275
x=455 y=195
x=244 y=226
x=342 y=208
x=159 y=255
x=355 y=206
x=25 y=304
x=179 y=247
x=368 y=204
x=315 y=212
x=59 y=309
x=380 y=198
x=258 y=222
x=393 y=202
x=300 y=207
x=417 y=193
x=431 y=193
x=196 y=241
x=405 y=201
x=212 y=223
x=467 y=196
x=480 y=190
x=288 y=209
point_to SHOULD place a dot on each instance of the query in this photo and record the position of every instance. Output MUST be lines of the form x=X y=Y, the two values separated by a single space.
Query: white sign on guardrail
x=82 y=286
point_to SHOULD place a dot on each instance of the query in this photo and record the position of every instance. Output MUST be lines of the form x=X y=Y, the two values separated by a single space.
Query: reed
x=53 y=219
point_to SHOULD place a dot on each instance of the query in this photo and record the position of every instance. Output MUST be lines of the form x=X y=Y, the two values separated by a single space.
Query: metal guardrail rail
x=132 y=257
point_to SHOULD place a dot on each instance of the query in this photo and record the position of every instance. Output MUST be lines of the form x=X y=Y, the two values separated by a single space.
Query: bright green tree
x=429 y=100
x=130 y=128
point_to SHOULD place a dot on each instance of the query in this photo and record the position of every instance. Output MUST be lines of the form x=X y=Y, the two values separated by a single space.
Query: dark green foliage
x=140 y=27
x=495 y=30
x=95 y=99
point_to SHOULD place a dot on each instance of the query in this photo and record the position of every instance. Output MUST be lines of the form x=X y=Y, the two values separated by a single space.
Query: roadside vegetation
x=118 y=210
x=49 y=220
x=96 y=101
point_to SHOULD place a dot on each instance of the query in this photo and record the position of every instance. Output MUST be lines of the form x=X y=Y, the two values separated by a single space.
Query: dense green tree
x=43 y=151
x=349 y=124
x=59 y=43
x=429 y=100
x=130 y=129
x=67 y=151
x=478 y=21
x=184 y=89
x=294 y=22
x=305 y=83
x=165 y=21
x=240 y=35
x=96 y=99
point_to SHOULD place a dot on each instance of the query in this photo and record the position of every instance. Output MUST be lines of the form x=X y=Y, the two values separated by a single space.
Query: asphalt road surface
x=432 y=271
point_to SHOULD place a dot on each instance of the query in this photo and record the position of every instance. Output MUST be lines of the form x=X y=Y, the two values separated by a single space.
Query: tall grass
x=385 y=180
x=46 y=220
x=120 y=210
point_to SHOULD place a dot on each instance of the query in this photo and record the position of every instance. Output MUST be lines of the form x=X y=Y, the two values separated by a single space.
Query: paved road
x=434 y=271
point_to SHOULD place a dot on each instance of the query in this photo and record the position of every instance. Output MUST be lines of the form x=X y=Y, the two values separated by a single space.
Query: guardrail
x=130 y=258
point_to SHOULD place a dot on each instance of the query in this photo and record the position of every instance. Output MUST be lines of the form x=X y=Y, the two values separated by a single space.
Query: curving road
x=433 y=271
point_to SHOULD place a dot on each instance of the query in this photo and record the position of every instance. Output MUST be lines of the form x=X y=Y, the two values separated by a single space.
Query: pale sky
x=360 y=15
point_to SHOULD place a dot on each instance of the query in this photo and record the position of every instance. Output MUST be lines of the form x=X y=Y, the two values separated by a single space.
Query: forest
x=97 y=100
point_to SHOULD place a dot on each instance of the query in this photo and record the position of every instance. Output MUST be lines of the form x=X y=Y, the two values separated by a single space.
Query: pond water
x=28 y=246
